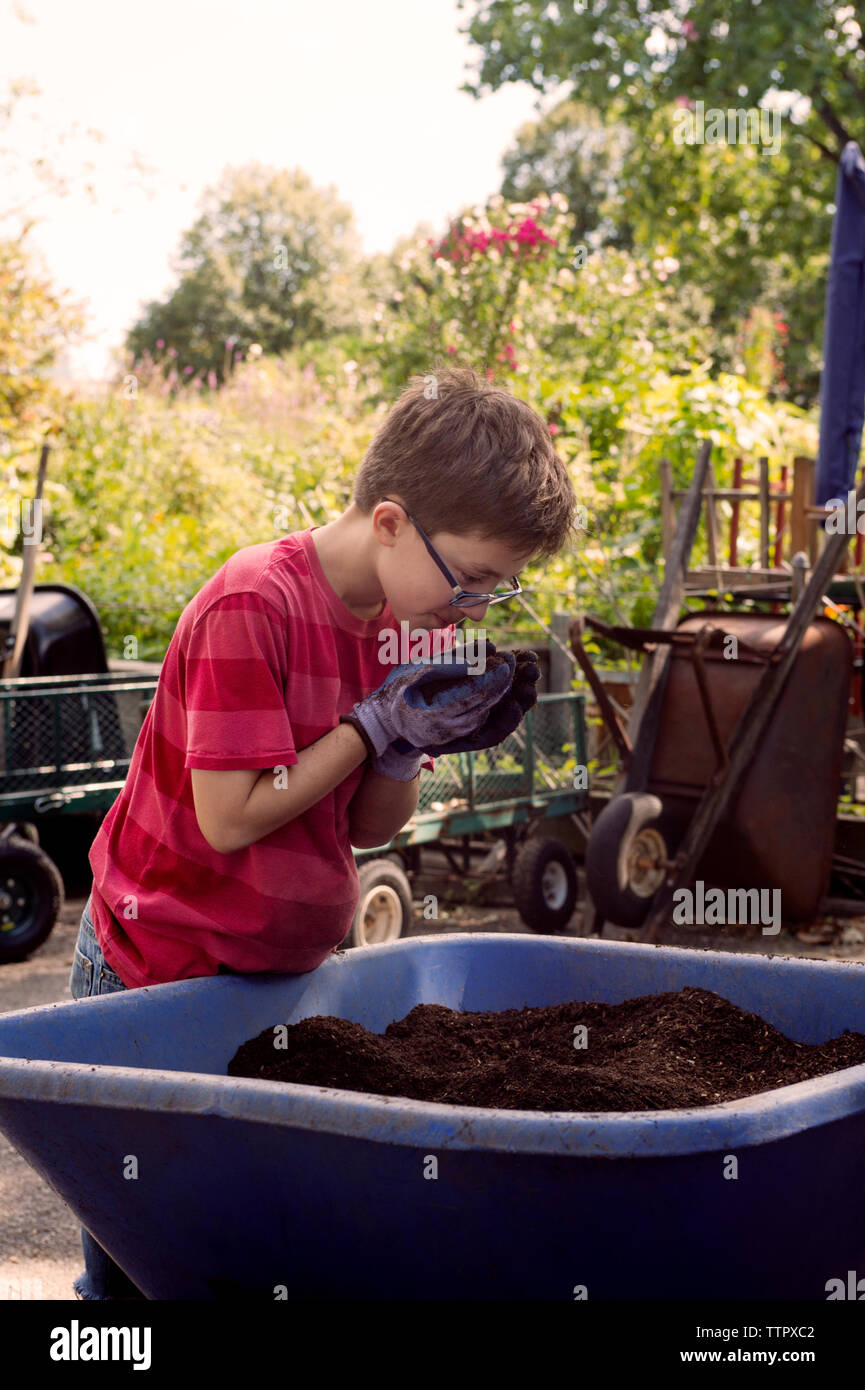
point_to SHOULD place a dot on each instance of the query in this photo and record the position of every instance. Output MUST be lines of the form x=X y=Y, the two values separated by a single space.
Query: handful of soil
x=429 y=692
x=671 y=1051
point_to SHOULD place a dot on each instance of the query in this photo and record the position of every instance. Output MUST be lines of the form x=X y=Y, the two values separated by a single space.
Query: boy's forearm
x=278 y=797
x=379 y=808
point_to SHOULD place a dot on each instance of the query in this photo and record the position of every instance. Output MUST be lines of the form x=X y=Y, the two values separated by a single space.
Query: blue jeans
x=91 y=974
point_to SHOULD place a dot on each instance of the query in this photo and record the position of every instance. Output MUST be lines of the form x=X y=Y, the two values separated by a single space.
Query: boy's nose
x=473 y=611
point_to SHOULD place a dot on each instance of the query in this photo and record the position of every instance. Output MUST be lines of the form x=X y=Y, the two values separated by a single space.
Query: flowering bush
x=503 y=290
x=472 y=295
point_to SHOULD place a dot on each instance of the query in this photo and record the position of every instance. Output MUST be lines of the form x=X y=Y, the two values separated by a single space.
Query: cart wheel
x=384 y=908
x=31 y=896
x=625 y=858
x=544 y=885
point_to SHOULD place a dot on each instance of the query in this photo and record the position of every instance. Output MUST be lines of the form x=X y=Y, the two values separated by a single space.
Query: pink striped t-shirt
x=264 y=660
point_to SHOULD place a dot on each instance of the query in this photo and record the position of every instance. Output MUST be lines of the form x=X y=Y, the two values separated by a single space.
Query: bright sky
x=361 y=95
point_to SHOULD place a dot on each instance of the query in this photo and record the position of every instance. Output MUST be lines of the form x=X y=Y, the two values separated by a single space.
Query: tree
x=35 y=324
x=270 y=260
x=723 y=52
x=748 y=228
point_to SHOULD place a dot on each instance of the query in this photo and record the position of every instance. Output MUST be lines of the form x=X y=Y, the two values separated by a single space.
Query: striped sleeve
x=236 y=672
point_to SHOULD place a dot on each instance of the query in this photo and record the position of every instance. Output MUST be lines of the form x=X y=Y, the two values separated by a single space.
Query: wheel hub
x=14 y=904
x=554 y=886
x=380 y=915
x=647 y=863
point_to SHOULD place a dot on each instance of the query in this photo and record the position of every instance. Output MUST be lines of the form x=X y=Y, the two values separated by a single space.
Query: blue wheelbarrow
x=204 y=1186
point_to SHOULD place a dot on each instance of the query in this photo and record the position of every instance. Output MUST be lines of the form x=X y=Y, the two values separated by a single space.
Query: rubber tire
x=386 y=874
x=31 y=865
x=618 y=824
x=533 y=858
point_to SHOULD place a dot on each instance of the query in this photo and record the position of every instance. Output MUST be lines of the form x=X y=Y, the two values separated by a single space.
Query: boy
x=278 y=738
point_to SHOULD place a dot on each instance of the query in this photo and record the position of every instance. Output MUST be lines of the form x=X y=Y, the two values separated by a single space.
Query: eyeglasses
x=461 y=597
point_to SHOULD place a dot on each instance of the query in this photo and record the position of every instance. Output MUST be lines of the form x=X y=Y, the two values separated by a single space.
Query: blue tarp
x=842 y=387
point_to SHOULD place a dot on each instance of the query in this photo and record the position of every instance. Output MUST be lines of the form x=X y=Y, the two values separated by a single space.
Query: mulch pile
x=669 y=1051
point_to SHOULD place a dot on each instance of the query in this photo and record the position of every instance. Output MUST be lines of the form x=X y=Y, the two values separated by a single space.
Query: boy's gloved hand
x=504 y=716
x=398 y=712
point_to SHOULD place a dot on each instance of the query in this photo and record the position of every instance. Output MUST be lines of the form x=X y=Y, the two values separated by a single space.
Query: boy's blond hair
x=465 y=455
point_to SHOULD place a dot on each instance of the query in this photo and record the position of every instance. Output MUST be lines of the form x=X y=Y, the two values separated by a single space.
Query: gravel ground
x=40 y=1251
x=40 y=1239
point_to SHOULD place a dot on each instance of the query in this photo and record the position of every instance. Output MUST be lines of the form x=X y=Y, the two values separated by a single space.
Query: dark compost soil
x=429 y=692
x=668 y=1051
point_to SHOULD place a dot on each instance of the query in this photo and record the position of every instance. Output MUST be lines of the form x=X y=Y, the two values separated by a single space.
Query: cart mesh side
x=60 y=733
x=529 y=762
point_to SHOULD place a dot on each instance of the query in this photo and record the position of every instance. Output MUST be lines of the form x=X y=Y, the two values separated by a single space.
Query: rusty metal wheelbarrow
x=733 y=754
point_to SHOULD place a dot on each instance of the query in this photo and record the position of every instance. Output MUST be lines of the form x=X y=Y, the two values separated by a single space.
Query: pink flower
x=490 y=373
x=211 y=379
x=554 y=429
x=160 y=342
x=451 y=349
x=186 y=371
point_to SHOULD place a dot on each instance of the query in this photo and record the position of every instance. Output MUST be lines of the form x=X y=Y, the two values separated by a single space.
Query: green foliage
x=575 y=151
x=645 y=55
x=153 y=492
x=751 y=229
x=35 y=324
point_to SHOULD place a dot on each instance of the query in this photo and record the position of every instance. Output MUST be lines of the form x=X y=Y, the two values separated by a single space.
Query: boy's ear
x=386 y=518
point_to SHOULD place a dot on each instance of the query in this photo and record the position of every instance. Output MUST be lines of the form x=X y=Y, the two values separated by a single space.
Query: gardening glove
x=408 y=710
x=505 y=715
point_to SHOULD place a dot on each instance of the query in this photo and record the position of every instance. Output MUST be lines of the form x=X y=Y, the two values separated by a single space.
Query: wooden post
x=668 y=515
x=734 y=520
x=764 y=513
x=561 y=665
x=10 y=669
x=711 y=531
x=780 y=517
x=803 y=497
x=712 y=526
